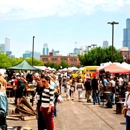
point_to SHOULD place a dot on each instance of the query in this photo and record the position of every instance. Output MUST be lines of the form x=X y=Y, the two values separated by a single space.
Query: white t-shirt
x=113 y=83
x=127 y=102
x=68 y=85
x=120 y=81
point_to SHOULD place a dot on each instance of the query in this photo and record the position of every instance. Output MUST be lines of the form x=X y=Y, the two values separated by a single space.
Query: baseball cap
x=17 y=74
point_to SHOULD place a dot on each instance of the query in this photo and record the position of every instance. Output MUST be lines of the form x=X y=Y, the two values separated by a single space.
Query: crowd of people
x=48 y=86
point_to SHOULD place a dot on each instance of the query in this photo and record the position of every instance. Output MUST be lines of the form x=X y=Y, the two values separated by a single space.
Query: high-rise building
x=7 y=44
x=2 y=48
x=76 y=51
x=45 y=50
x=126 y=34
x=28 y=54
x=54 y=52
x=37 y=55
x=105 y=44
x=9 y=53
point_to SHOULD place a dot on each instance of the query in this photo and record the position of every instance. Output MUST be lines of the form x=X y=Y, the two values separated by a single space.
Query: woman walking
x=127 y=107
x=73 y=89
x=47 y=104
x=80 y=87
x=39 y=89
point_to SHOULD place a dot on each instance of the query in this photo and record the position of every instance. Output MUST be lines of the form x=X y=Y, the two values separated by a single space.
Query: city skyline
x=61 y=23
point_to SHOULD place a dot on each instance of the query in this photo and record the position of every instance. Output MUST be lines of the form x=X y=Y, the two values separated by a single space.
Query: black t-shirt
x=94 y=84
x=87 y=84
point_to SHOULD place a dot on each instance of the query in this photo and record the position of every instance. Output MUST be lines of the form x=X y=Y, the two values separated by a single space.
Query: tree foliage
x=63 y=64
x=99 y=55
x=36 y=62
x=6 y=61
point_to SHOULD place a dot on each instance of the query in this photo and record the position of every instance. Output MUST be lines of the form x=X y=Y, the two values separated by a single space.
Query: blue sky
x=61 y=23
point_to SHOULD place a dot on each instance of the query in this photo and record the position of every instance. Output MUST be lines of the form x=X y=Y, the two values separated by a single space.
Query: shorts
x=19 y=93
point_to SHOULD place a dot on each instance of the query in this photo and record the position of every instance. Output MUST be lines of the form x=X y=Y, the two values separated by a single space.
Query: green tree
x=36 y=62
x=4 y=61
x=15 y=61
x=100 y=55
x=52 y=65
x=57 y=66
x=64 y=64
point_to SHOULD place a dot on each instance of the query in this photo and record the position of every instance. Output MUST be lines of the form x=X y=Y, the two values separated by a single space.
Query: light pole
x=112 y=23
x=33 y=50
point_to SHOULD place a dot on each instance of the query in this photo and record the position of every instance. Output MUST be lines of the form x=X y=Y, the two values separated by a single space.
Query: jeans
x=3 y=125
x=111 y=97
x=95 y=96
x=55 y=110
x=127 y=122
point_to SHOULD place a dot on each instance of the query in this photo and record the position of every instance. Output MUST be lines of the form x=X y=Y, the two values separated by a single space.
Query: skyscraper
x=126 y=34
x=28 y=54
x=76 y=51
x=54 y=52
x=45 y=49
x=2 y=48
x=7 y=44
x=105 y=44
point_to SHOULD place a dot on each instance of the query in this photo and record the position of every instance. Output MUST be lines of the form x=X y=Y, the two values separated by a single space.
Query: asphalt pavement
x=74 y=115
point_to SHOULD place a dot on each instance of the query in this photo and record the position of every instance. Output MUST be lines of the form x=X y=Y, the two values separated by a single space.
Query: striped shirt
x=47 y=97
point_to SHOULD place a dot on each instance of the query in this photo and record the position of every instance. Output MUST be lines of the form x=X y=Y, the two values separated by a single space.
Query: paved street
x=74 y=115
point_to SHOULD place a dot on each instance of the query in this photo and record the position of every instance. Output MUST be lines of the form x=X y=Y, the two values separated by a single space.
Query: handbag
x=124 y=111
x=72 y=88
x=60 y=99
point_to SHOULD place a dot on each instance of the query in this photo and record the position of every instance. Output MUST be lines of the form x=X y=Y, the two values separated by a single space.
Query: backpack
x=21 y=84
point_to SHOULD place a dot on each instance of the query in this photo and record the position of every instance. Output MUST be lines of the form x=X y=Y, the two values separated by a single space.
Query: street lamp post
x=33 y=50
x=112 y=23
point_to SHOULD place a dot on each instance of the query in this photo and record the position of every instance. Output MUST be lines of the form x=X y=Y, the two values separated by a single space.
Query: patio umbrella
x=113 y=68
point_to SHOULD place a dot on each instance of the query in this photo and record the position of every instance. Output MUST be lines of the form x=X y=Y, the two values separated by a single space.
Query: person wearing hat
x=55 y=84
x=19 y=90
x=68 y=84
x=88 y=88
x=3 y=108
x=95 y=91
x=113 y=88
x=80 y=87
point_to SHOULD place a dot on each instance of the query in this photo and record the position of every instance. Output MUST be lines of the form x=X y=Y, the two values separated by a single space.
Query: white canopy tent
x=40 y=67
x=72 y=68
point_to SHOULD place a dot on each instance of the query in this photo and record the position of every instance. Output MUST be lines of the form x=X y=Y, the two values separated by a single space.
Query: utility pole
x=33 y=50
x=112 y=23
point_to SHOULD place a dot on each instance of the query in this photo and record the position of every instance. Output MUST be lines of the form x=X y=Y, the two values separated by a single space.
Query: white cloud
x=24 y=9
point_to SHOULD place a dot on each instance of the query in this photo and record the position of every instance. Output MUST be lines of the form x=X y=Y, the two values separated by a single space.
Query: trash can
x=119 y=107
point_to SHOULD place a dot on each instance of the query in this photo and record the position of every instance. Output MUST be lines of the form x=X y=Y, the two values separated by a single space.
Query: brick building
x=126 y=55
x=71 y=60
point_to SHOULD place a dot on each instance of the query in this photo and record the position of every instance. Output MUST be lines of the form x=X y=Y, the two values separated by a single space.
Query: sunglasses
x=44 y=81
